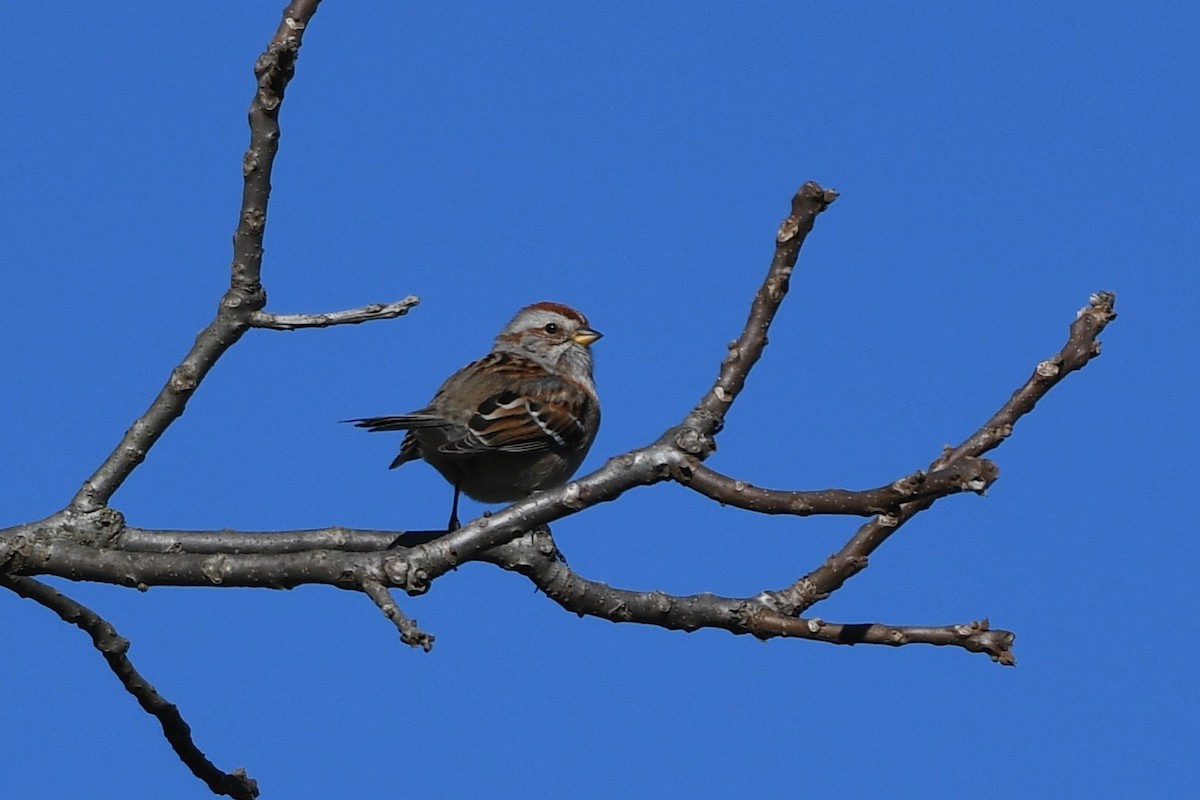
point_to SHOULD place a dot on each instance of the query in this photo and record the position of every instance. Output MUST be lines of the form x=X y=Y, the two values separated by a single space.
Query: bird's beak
x=585 y=336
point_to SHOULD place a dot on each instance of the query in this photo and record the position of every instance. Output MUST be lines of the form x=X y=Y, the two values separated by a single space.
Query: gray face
x=546 y=333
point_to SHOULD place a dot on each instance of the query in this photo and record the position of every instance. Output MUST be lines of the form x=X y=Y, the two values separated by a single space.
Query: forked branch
x=1082 y=345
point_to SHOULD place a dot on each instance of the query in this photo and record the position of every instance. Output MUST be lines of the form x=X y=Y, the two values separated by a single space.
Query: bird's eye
x=551 y=327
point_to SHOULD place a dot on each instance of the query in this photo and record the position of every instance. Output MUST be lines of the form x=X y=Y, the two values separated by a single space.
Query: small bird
x=519 y=419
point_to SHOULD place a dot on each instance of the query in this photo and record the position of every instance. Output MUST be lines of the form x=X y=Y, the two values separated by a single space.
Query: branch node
x=396 y=570
x=694 y=442
x=214 y=568
x=1047 y=368
x=977 y=485
x=544 y=542
x=573 y=498
x=663 y=602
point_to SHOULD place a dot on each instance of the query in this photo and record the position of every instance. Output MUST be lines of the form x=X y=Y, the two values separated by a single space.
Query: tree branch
x=274 y=71
x=709 y=415
x=967 y=475
x=976 y=637
x=353 y=316
x=245 y=296
x=536 y=557
x=52 y=554
x=113 y=647
x=142 y=540
x=1082 y=345
x=410 y=634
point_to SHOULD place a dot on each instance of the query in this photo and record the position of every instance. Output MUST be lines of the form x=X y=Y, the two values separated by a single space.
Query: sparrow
x=521 y=418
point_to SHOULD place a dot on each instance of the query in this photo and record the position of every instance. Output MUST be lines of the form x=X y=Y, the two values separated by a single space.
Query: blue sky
x=997 y=163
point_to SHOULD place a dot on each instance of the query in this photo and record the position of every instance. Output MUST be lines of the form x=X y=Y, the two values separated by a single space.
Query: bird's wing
x=511 y=421
x=507 y=419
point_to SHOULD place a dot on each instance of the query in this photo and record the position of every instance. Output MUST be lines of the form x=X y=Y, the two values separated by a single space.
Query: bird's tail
x=402 y=422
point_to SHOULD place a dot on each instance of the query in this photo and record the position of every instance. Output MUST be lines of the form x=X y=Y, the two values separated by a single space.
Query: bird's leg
x=453 y=524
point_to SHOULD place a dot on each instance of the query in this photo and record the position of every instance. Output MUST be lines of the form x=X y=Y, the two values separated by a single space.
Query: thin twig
x=536 y=557
x=352 y=316
x=967 y=475
x=977 y=637
x=1082 y=345
x=410 y=634
x=709 y=414
x=113 y=647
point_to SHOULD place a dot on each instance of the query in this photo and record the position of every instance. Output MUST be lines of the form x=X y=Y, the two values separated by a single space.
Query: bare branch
x=141 y=540
x=353 y=316
x=55 y=555
x=1082 y=346
x=52 y=546
x=113 y=647
x=537 y=557
x=410 y=634
x=977 y=637
x=274 y=70
x=967 y=475
x=245 y=296
x=709 y=415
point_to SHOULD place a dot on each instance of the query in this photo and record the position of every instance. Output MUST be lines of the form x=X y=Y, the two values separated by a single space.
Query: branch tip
x=410 y=634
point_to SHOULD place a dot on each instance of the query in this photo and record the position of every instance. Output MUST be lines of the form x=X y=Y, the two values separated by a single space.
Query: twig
x=709 y=414
x=113 y=647
x=245 y=296
x=410 y=634
x=1082 y=346
x=352 y=316
x=967 y=475
x=274 y=70
x=536 y=557
x=977 y=637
